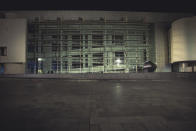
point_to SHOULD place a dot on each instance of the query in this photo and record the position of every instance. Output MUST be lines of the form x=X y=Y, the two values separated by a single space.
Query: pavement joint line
x=161 y=80
x=66 y=79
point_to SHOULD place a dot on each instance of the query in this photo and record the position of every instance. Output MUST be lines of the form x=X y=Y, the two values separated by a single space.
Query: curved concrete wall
x=183 y=39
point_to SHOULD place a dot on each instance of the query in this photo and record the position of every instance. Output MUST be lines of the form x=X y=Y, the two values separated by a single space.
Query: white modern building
x=95 y=41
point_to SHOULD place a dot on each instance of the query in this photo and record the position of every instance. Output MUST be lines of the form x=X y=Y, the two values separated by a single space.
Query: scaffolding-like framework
x=85 y=46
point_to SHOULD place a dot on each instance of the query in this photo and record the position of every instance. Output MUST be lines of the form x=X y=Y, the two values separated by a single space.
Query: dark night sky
x=110 y=5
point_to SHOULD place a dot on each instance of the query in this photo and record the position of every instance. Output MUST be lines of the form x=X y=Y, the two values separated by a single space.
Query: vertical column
x=110 y=52
x=105 y=52
x=39 y=50
x=90 y=66
x=69 y=53
x=83 y=50
x=35 y=46
x=147 y=45
x=136 y=59
x=48 y=50
x=61 y=51
x=129 y=53
x=161 y=46
x=126 y=61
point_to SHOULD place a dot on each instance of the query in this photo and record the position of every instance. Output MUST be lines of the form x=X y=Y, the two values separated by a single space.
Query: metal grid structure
x=86 y=46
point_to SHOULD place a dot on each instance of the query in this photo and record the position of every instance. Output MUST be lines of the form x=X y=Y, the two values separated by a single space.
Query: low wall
x=14 y=68
x=109 y=76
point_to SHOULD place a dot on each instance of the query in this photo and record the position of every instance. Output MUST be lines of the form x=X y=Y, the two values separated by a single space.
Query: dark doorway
x=2 y=69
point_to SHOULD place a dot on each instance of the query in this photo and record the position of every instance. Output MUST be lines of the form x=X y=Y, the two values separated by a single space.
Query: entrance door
x=2 y=68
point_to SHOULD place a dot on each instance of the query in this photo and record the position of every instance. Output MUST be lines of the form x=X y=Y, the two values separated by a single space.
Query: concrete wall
x=162 y=47
x=13 y=36
x=183 y=39
x=14 y=68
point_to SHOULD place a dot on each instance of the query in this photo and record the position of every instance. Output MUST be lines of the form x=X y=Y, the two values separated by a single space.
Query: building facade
x=87 y=41
x=12 y=46
x=183 y=45
x=81 y=46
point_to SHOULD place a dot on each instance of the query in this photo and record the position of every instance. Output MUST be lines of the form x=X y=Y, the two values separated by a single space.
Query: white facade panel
x=13 y=37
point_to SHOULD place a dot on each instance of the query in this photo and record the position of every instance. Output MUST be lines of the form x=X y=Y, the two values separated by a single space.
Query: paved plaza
x=84 y=105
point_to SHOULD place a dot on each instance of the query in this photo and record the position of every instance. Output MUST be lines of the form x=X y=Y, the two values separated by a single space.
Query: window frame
x=3 y=51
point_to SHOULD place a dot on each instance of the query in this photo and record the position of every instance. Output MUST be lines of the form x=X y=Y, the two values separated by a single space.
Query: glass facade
x=87 y=46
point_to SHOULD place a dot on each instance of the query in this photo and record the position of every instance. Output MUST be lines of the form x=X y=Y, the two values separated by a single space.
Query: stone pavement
x=84 y=105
